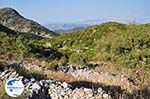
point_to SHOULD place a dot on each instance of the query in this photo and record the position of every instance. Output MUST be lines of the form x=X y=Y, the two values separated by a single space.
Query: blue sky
x=66 y=11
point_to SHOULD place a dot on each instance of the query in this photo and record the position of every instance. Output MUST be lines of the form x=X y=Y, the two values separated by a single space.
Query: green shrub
x=76 y=58
x=52 y=65
x=63 y=61
x=125 y=45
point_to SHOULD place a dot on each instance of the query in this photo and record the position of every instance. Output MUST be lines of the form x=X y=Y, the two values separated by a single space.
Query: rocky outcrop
x=6 y=30
x=13 y=20
x=86 y=83
x=88 y=74
x=104 y=78
x=51 y=89
x=73 y=73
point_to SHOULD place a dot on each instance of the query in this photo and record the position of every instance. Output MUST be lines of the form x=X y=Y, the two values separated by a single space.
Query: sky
x=71 y=11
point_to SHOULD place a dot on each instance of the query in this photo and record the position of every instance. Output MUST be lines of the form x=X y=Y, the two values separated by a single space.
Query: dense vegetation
x=125 y=45
x=19 y=46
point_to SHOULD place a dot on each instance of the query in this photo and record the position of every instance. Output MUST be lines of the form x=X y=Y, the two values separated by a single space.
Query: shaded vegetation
x=15 y=45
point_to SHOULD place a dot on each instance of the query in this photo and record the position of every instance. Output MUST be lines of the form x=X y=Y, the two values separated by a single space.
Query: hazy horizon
x=73 y=11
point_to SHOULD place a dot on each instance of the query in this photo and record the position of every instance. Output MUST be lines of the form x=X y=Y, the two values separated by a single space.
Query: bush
x=63 y=61
x=76 y=58
x=125 y=45
x=52 y=65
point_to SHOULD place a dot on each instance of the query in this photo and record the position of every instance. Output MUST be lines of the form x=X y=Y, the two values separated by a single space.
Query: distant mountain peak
x=10 y=18
x=10 y=10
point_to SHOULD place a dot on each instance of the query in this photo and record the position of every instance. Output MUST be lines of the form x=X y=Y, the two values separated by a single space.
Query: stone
x=7 y=75
x=64 y=84
x=58 y=90
x=12 y=75
x=99 y=90
x=3 y=73
x=54 y=96
x=41 y=83
x=105 y=96
x=32 y=80
x=66 y=97
x=88 y=92
x=62 y=93
x=26 y=81
x=36 y=86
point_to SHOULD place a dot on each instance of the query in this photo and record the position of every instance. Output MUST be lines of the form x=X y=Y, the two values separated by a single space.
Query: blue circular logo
x=14 y=87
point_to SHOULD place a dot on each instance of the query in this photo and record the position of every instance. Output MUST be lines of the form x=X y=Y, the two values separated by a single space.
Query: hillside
x=113 y=59
x=120 y=44
x=125 y=45
x=6 y=30
x=13 y=20
x=23 y=46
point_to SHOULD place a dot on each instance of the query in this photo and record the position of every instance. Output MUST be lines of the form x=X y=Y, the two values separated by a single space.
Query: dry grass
x=2 y=90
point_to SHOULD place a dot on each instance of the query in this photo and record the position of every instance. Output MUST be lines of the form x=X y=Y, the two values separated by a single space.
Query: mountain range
x=65 y=27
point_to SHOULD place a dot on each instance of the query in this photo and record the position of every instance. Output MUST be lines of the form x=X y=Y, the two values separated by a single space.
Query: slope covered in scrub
x=125 y=45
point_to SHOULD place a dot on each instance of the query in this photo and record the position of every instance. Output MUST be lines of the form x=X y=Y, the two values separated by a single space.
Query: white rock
x=36 y=86
x=105 y=96
x=32 y=80
x=7 y=75
x=12 y=75
x=54 y=96
x=99 y=90
x=64 y=84
x=62 y=93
